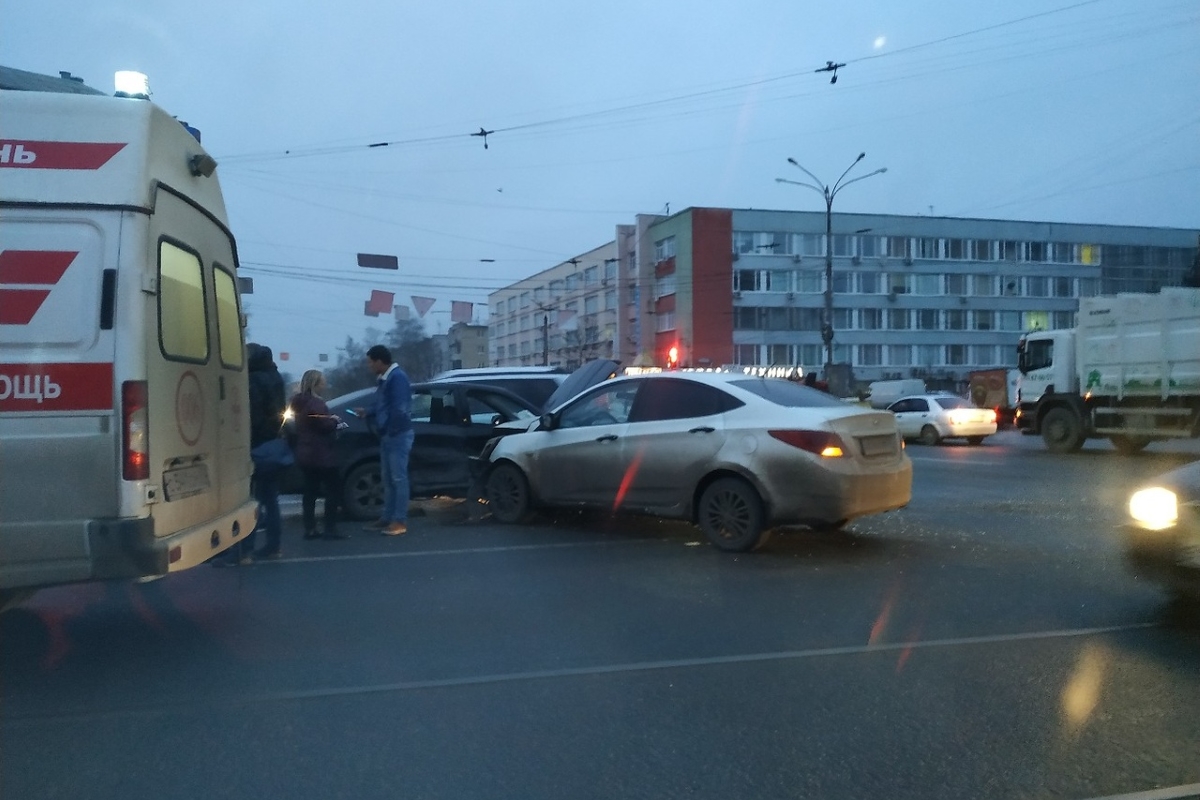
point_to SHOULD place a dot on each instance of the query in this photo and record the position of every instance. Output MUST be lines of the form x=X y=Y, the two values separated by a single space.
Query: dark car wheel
x=731 y=515
x=929 y=436
x=975 y=441
x=362 y=493
x=507 y=493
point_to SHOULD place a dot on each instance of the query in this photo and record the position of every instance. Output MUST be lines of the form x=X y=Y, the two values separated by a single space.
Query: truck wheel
x=929 y=436
x=1062 y=431
x=1128 y=445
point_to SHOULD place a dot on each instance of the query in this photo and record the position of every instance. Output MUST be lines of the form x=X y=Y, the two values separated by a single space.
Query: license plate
x=883 y=445
x=185 y=482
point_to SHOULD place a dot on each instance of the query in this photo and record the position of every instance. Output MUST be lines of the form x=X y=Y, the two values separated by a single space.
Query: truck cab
x=1046 y=361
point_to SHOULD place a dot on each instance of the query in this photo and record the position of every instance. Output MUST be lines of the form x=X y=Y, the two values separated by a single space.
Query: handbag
x=272 y=456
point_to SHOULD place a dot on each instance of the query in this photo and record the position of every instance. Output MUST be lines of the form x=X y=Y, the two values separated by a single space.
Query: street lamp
x=829 y=193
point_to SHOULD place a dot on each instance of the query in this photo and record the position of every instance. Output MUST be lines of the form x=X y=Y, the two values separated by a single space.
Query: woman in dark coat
x=316 y=434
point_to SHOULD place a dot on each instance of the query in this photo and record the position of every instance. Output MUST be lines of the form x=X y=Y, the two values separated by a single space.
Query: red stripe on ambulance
x=16 y=154
x=56 y=387
x=31 y=268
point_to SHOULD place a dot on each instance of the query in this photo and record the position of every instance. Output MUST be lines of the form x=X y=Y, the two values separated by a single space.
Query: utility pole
x=829 y=193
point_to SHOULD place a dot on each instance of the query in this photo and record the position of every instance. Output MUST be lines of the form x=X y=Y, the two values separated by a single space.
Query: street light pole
x=829 y=193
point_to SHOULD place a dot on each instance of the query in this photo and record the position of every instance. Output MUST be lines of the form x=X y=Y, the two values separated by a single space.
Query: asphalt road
x=985 y=642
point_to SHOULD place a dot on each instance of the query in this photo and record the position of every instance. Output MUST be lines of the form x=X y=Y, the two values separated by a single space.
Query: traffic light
x=673 y=357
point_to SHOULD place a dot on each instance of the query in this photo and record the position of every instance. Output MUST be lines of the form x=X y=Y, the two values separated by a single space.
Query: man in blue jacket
x=391 y=417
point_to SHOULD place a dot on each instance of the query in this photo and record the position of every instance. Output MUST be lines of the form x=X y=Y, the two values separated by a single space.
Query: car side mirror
x=496 y=420
x=547 y=422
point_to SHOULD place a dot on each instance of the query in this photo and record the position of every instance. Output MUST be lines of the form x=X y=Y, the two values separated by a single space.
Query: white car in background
x=929 y=418
x=736 y=454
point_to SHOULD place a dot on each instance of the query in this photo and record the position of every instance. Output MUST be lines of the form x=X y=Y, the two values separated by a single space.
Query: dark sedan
x=1162 y=534
x=452 y=422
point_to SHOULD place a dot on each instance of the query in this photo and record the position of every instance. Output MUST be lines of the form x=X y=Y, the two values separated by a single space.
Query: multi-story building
x=562 y=316
x=467 y=346
x=912 y=296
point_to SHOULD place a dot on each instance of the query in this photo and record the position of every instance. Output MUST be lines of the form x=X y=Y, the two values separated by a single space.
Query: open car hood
x=582 y=379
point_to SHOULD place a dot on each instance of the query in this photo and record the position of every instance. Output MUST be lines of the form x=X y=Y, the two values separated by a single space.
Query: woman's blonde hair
x=310 y=381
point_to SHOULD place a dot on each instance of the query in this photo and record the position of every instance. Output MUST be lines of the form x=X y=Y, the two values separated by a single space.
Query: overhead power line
x=484 y=133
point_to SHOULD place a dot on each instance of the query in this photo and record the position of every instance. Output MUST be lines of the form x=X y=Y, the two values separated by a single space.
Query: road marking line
x=459 y=551
x=1171 y=793
x=580 y=672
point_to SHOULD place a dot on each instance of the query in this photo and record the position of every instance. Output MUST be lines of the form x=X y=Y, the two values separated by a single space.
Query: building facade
x=913 y=296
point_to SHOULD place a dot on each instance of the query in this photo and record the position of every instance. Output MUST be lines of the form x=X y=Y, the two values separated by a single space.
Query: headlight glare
x=1154 y=508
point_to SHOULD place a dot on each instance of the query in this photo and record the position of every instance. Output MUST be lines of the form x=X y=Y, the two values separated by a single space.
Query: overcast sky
x=1062 y=111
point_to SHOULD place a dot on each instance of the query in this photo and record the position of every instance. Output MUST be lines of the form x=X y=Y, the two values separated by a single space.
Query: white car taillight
x=823 y=443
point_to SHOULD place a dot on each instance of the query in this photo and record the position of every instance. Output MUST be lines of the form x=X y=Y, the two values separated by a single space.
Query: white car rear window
x=787 y=393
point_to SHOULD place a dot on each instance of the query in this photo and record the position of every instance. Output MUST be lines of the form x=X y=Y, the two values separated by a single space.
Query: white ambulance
x=124 y=431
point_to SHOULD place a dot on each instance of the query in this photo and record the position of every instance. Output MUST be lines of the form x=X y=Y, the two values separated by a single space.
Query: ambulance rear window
x=182 y=323
x=229 y=327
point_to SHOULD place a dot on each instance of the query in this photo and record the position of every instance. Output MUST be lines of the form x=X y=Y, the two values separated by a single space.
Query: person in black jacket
x=267 y=403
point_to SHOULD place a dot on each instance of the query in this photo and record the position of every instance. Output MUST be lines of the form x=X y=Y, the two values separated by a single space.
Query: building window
x=956 y=249
x=1088 y=287
x=899 y=355
x=956 y=355
x=744 y=280
x=1063 y=287
x=983 y=355
x=810 y=281
x=898 y=319
x=899 y=283
x=1064 y=319
x=869 y=282
x=665 y=321
x=665 y=248
x=610 y=269
x=985 y=321
x=870 y=355
x=956 y=320
x=897 y=246
x=591 y=304
x=524 y=299
x=1062 y=253
x=664 y=286
x=556 y=289
x=842 y=319
x=927 y=284
x=1035 y=251
x=1008 y=251
x=929 y=355
x=927 y=319
x=1010 y=321
x=842 y=245
x=842 y=282
x=870 y=319
x=983 y=285
x=811 y=354
x=1011 y=285
x=981 y=250
x=572 y=281
x=868 y=246
x=929 y=248
x=591 y=276
x=956 y=285
x=512 y=305
x=809 y=244
x=610 y=300
x=807 y=319
x=1036 y=286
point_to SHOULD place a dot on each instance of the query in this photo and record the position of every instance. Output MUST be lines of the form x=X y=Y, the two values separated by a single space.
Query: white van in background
x=124 y=430
x=882 y=394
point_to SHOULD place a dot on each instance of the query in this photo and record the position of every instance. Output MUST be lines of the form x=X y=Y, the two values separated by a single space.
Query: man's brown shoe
x=395 y=529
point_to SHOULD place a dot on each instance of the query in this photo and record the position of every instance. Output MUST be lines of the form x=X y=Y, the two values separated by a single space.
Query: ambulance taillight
x=135 y=429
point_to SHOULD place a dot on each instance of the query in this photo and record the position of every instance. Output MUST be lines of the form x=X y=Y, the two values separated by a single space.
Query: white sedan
x=736 y=454
x=930 y=418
